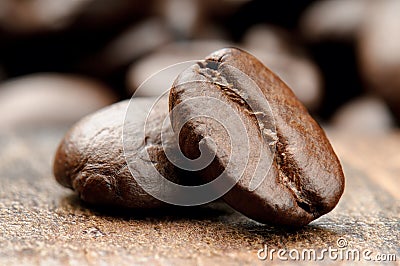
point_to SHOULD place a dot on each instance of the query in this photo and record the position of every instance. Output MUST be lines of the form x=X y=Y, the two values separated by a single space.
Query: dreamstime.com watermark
x=342 y=252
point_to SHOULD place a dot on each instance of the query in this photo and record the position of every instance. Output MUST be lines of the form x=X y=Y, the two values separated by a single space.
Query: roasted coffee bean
x=91 y=161
x=302 y=176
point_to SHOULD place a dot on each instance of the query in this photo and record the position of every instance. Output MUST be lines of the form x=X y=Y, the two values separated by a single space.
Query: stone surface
x=42 y=223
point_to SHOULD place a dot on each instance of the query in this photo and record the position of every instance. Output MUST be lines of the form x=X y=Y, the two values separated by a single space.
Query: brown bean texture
x=305 y=179
x=91 y=161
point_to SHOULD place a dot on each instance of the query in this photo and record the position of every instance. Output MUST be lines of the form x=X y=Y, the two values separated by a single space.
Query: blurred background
x=60 y=60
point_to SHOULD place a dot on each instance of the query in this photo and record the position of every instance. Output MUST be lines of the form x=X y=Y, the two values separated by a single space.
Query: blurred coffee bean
x=333 y=19
x=379 y=51
x=329 y=29
x=274 y=48
x=106 y=14
x=165 y=57
x=136 y=41
x=366 y=115
x=267 y=37
x=38 y=15
x=65 y=49
x=197 y=18
x=32 y=16
x=188 y=19
x=50 y=99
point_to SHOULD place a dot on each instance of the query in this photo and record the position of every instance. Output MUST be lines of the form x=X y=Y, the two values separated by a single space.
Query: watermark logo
x=341 y=242
x=342 y=252
x=229 y=79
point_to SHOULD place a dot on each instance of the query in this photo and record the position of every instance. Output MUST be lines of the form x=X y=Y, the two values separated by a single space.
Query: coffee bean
x=91 y=159
x=364 y=115
x=379 y=52
x=134 y=42
x=301 y=177
x=43 y=16
x=46 y=99
x=334 y=20
x=38 y=15
x=268 y=38
x=198 y=19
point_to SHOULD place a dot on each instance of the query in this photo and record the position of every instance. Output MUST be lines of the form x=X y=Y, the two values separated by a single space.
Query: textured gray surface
x=43 y=223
